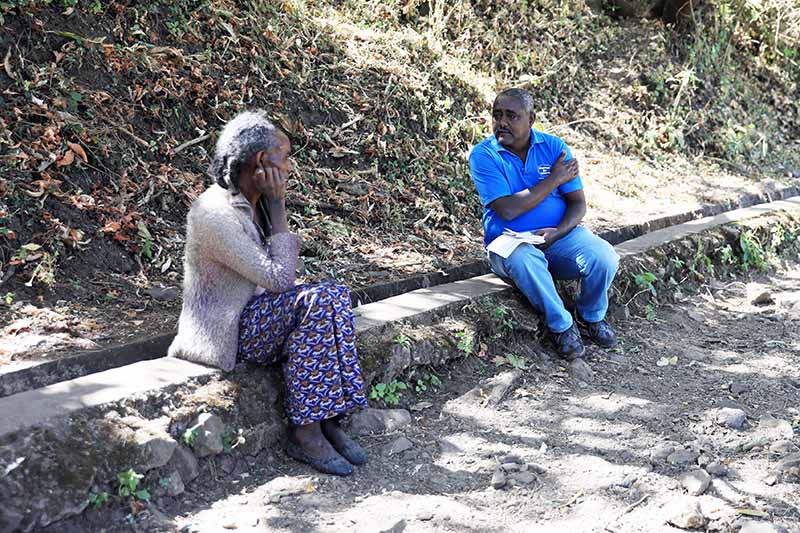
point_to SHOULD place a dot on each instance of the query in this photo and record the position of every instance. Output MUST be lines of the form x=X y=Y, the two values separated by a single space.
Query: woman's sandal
x=336 y=465
x=350 y=450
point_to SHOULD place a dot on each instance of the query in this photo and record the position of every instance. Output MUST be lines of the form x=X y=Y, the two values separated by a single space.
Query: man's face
x=511 y=124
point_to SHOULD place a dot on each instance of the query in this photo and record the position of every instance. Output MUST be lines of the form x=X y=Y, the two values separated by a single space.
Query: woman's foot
x=308 y=445
x=342 y=443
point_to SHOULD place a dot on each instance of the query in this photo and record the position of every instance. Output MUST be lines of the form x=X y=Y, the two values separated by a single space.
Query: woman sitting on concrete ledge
x=240 y=302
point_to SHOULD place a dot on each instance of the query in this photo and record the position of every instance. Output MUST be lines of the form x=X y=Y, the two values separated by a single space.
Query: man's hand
x=562 y=172
x=550 y=235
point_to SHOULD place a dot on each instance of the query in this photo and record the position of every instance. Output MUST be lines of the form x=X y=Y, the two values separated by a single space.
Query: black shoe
x=569 y=345
x=348 y=448
x=336 y=465
x=602 y=334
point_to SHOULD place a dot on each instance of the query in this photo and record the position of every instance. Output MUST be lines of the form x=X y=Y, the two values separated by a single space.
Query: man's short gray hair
x=522 y=95
x=242 y=137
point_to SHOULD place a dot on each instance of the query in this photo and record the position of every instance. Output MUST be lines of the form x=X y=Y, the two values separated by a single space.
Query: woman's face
x=278 y=156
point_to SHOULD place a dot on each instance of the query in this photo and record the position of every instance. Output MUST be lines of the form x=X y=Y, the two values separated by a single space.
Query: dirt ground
x=606 y=448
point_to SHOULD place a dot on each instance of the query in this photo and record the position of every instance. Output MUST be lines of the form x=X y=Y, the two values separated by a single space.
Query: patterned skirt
x=311 y=329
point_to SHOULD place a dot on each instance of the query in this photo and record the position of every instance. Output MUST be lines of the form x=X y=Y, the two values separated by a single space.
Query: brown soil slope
x=109 y=111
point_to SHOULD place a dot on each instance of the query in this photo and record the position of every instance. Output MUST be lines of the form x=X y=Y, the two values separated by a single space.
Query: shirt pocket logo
x=544 y=170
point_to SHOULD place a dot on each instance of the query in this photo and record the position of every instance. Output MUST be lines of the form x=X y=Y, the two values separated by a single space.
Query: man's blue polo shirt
x=497 y=172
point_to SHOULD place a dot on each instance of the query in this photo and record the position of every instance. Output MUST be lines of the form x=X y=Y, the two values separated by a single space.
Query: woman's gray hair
x=242 y=137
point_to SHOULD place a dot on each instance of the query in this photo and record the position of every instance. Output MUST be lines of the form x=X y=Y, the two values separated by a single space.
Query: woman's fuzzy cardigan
x=223 y=263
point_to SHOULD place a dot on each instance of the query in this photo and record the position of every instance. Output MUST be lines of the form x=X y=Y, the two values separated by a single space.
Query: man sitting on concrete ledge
x=533 y=202
x=240 y=302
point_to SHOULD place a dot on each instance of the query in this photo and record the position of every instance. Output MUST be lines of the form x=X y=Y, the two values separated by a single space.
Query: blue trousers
x=579 y=254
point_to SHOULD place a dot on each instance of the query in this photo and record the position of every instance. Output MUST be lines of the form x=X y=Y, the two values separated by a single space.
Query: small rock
x=627 y=456
x=756 y=441
x=227 y=463
x=695 y=482
x=511 y=458
x=628 y=481
x=398 y=445
x=208 y=435
x=781 y=447
x=424 y=516
x=771 y=479
x=354 y=188
x=682 y=457
x=185 y=463
x=498 y=479
x=774 y=428
x=738 y=388
x=580 y=370
x=660 y=453
x=398 y=527
x=790 y=465
x=686 y=514
x=618 y=359
x=156 y=448
x=730 y=417
x=536 y=468
x=524 y=478
x=755 y=526
x=162 y=294
x=693 y=353
x=717 y=468
x=284 y=486
x=704 y=460
x=174 y=484
x=762 y=298
x=499 y=385
x=372 y=420
x=695 y=315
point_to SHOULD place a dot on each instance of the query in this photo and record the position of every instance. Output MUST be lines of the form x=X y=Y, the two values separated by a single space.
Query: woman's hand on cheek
x=275 y=184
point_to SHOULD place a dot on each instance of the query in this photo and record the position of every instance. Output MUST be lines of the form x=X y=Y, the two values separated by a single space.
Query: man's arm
x=513 y=205
x=576 y=210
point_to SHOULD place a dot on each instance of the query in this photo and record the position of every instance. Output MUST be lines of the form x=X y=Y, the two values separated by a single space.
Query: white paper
x=505 y=244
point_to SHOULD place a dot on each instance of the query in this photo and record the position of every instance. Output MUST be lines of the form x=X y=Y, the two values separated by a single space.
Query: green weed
x=646 y=281
x=512 y=360
x=388 y=393
x=726 y=255
x=190 y=436
x=466 y=342
x=404 y=341
x=428 y=380
x=231 y=441
x=129 y=486
x=753 y=253
x=146 y=239
x=98 y=499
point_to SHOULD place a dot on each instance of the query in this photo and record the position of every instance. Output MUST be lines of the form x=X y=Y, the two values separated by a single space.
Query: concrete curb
x=84 y=363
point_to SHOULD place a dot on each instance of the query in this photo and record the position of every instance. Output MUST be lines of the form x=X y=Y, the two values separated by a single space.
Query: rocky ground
x=691 y=423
